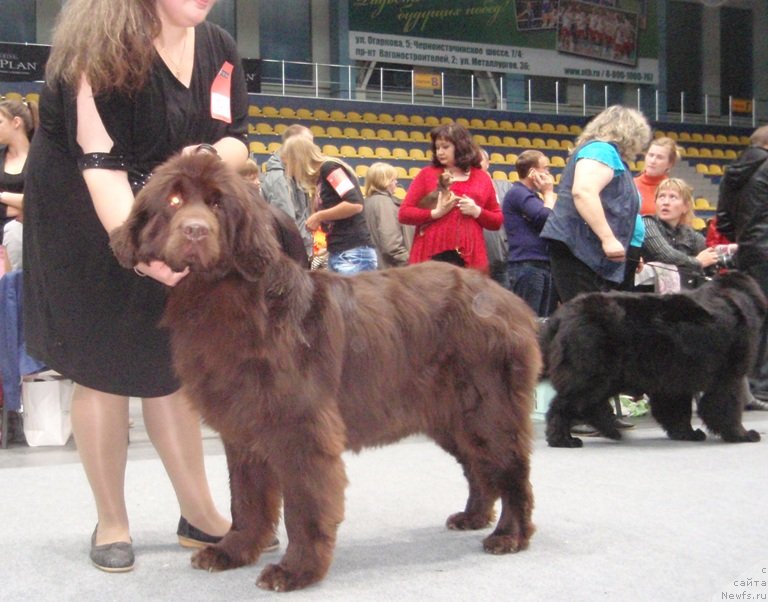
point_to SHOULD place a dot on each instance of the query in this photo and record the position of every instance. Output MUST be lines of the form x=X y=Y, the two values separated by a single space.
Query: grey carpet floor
x=643 y=519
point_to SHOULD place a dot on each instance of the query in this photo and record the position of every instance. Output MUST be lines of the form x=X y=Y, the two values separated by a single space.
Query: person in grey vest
x=285 y=193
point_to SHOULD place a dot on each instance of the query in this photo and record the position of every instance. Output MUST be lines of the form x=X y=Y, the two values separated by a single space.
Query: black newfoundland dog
x=667 y=346
x=292 y=367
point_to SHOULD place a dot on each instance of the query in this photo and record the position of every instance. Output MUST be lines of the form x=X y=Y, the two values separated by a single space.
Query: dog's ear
x=124 y=239
x=253 y=242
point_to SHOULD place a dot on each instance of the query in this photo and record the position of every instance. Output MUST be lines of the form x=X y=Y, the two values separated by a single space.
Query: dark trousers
x=572 y=276
x=758 y=380
x=532 y=282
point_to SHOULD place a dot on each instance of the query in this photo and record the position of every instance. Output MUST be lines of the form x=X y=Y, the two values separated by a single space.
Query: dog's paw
x=275 y=578
x=462 y=521
x=503 y=544
x=567 y=442
x=213 y=558
x=742 y=437
x=689 y=435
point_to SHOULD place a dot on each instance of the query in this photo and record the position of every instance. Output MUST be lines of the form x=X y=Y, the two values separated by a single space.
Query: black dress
x=84 y=315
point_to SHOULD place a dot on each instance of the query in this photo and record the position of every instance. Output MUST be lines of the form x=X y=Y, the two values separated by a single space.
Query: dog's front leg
x=313 y=488
x=255 y=495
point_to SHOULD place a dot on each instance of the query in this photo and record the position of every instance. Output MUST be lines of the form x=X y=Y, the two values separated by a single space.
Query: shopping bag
x=46 y=403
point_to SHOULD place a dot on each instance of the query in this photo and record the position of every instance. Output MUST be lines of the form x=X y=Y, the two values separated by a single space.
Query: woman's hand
x=445 y=202
x=160 y=271
x=613 y=249
x=313 y=222
x=707 y=257
x=467 y=206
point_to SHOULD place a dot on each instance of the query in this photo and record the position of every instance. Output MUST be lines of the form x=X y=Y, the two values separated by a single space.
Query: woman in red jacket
x=453 y=230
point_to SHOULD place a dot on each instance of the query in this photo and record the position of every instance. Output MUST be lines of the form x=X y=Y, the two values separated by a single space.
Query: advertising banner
x=606 y=40
x=22 y=62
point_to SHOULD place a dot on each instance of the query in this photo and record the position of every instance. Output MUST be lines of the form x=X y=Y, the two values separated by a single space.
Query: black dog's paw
x=566 y=442
x=742 y=437
x=687 y=435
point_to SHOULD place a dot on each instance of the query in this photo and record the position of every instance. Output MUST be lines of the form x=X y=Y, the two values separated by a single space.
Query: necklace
x=177 y=64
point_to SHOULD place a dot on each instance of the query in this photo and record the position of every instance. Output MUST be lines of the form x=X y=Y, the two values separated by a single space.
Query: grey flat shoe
x=112 y=557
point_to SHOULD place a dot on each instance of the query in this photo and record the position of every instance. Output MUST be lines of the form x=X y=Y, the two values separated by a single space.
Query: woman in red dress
x=455 y=226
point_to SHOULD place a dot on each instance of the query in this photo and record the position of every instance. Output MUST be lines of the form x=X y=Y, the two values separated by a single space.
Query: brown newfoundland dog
x=292 y=367
x=670 y=347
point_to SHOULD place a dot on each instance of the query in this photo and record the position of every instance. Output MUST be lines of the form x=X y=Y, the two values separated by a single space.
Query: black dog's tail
x=547 y=330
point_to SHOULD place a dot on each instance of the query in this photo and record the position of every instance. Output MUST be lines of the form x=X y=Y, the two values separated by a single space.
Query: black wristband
x=207 y=148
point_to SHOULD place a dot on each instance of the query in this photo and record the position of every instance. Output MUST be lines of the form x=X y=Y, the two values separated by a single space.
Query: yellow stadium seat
x=494 y=140
x=744 y=140
x=721 y=139
x=273 y=147
x=709 y=138
x=386 y=118
x=705 y=152
x=538 y=143
x=561 y=128
x=479 y=139
x=370 y=117
x=431 y=121
x=718 y=153
x=499 y=175
x=253 y=111
x=383 y=152
x=566 y=145
x=523 y=142
x=520 y=126
x=321 y=114
x=416 y=136
x=304 y=114
x=269 y=111
x=400 y=192
x=553 y=143
x=575 y=130
x=264 y=128
x=338 y=116
x=730 y=154
x=534 y=126
x=384 y=134
x=417 y=154
x=697 y=137
x=366 y=152
x=317 y=130
x=698 y=223
x=351 y=132
x=640 y=165
x=354 y=116
x=32 y=97
x=334 y=131
x=715 y=170
x=368 y=134
x=557 y=161
x=401 y=172
x=548 y=128
x=684 y=137
x=413 y=172
x=280 y=128
x=401 y=119
x=460 y=120
x=287 y=113
x=491 y=124
x=506 y=124
x=347 y=150
x=476 y=124
x=361 y=170
x=257 y=147
x=417 y=120
x=511 y=158
x=692 y=151
x=331 y=150
x=497 y=158
x=702 y=169
x=399 y=153
x=733 y=139
x=514 y=176
x=701 y=203
x=508 y=141
x=400 y=135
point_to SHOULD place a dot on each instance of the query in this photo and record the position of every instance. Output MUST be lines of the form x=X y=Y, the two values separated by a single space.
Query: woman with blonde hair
x=391 y=238
x=339 y=204
x=669 y=237
x=661 y=156
x=128 y=84
x=596 y=214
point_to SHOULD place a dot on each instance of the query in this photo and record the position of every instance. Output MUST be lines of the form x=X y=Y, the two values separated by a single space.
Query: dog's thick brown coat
x=293 y=367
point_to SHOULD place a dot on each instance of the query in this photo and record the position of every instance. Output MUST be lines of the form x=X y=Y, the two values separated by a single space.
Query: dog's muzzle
x=194 y=229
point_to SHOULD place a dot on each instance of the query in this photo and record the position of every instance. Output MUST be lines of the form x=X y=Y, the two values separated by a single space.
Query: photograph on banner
x=598 y=32
x=543 y=14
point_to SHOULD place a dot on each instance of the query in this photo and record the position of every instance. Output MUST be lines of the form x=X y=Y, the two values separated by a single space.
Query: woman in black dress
x=128 y=84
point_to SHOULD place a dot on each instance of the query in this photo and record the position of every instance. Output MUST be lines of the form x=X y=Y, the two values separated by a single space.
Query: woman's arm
x=410 y=212
x=392 y=243
x=590 y=177
x=657 y=248
x=14 y=201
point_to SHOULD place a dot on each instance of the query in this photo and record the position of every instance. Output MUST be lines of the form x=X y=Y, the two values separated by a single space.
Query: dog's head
x=444 y=181
x=198 y=213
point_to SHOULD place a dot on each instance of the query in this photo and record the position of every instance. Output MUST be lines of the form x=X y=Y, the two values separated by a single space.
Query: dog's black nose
x=194 y=229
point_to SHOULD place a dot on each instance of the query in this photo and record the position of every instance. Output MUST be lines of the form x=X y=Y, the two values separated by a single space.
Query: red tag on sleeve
x=221 y=94
x=340 y=181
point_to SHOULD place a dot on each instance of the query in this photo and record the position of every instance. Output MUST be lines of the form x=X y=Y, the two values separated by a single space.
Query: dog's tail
x=547 y=330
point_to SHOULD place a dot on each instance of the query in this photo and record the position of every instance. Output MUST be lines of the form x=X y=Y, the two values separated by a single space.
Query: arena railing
x=539 y=95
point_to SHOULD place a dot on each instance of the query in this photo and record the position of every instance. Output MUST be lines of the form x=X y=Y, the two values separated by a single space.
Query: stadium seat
x=715 y=170
x=479 y=139
x=269 y=111
x=548 y=128
x=497 y=174
x=257 y=147
x=523 y=142
x=709 y=138
x=721 y=139
x=691 y=151
x=509 y=141
x=697 y=137
x=317 y=130
x=365 y=152
x=416 y=136
x=718 y=153
x=733 y=139
x=354 y=116
x=744 y=140
x=383 y=152
x=702 y=204
x=575 y=130
x=561 y=128
x=553 y=143
x=730 y=154
x=368 y=134
x=491 y=124
x=331 y=150
x=254 y=111
x=287 y=113
x=506 y=124
x=304 y=114
x=566 y=145
x=417 y=120
x=534 y=126
x=520 y=126
x=351 y=132
x=264 y=128
x=334 y=131
x=370 y=117
x=417 y=154
x=497 y=158
x=321 y=115
x=702 y=169
x=413 y=171
x=511 y=158
x=384 y=134
x=698 y=224
x=273 y=147
x=347 y=150
x=557 y=161
x=494 y=140
x=431 y=121
x=400 y=135
x=386 y=118
x=705 y=152
x=402 y=173
x=476 y=124
x=684 y=137
x=513 y=176
x=280 y=128
x=399 y=153
x=401 y=119
x=400 y=192
x=338 y=116
x=361 y=170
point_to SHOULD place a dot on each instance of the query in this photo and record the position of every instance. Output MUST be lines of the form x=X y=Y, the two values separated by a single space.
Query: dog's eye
x=175 y=201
